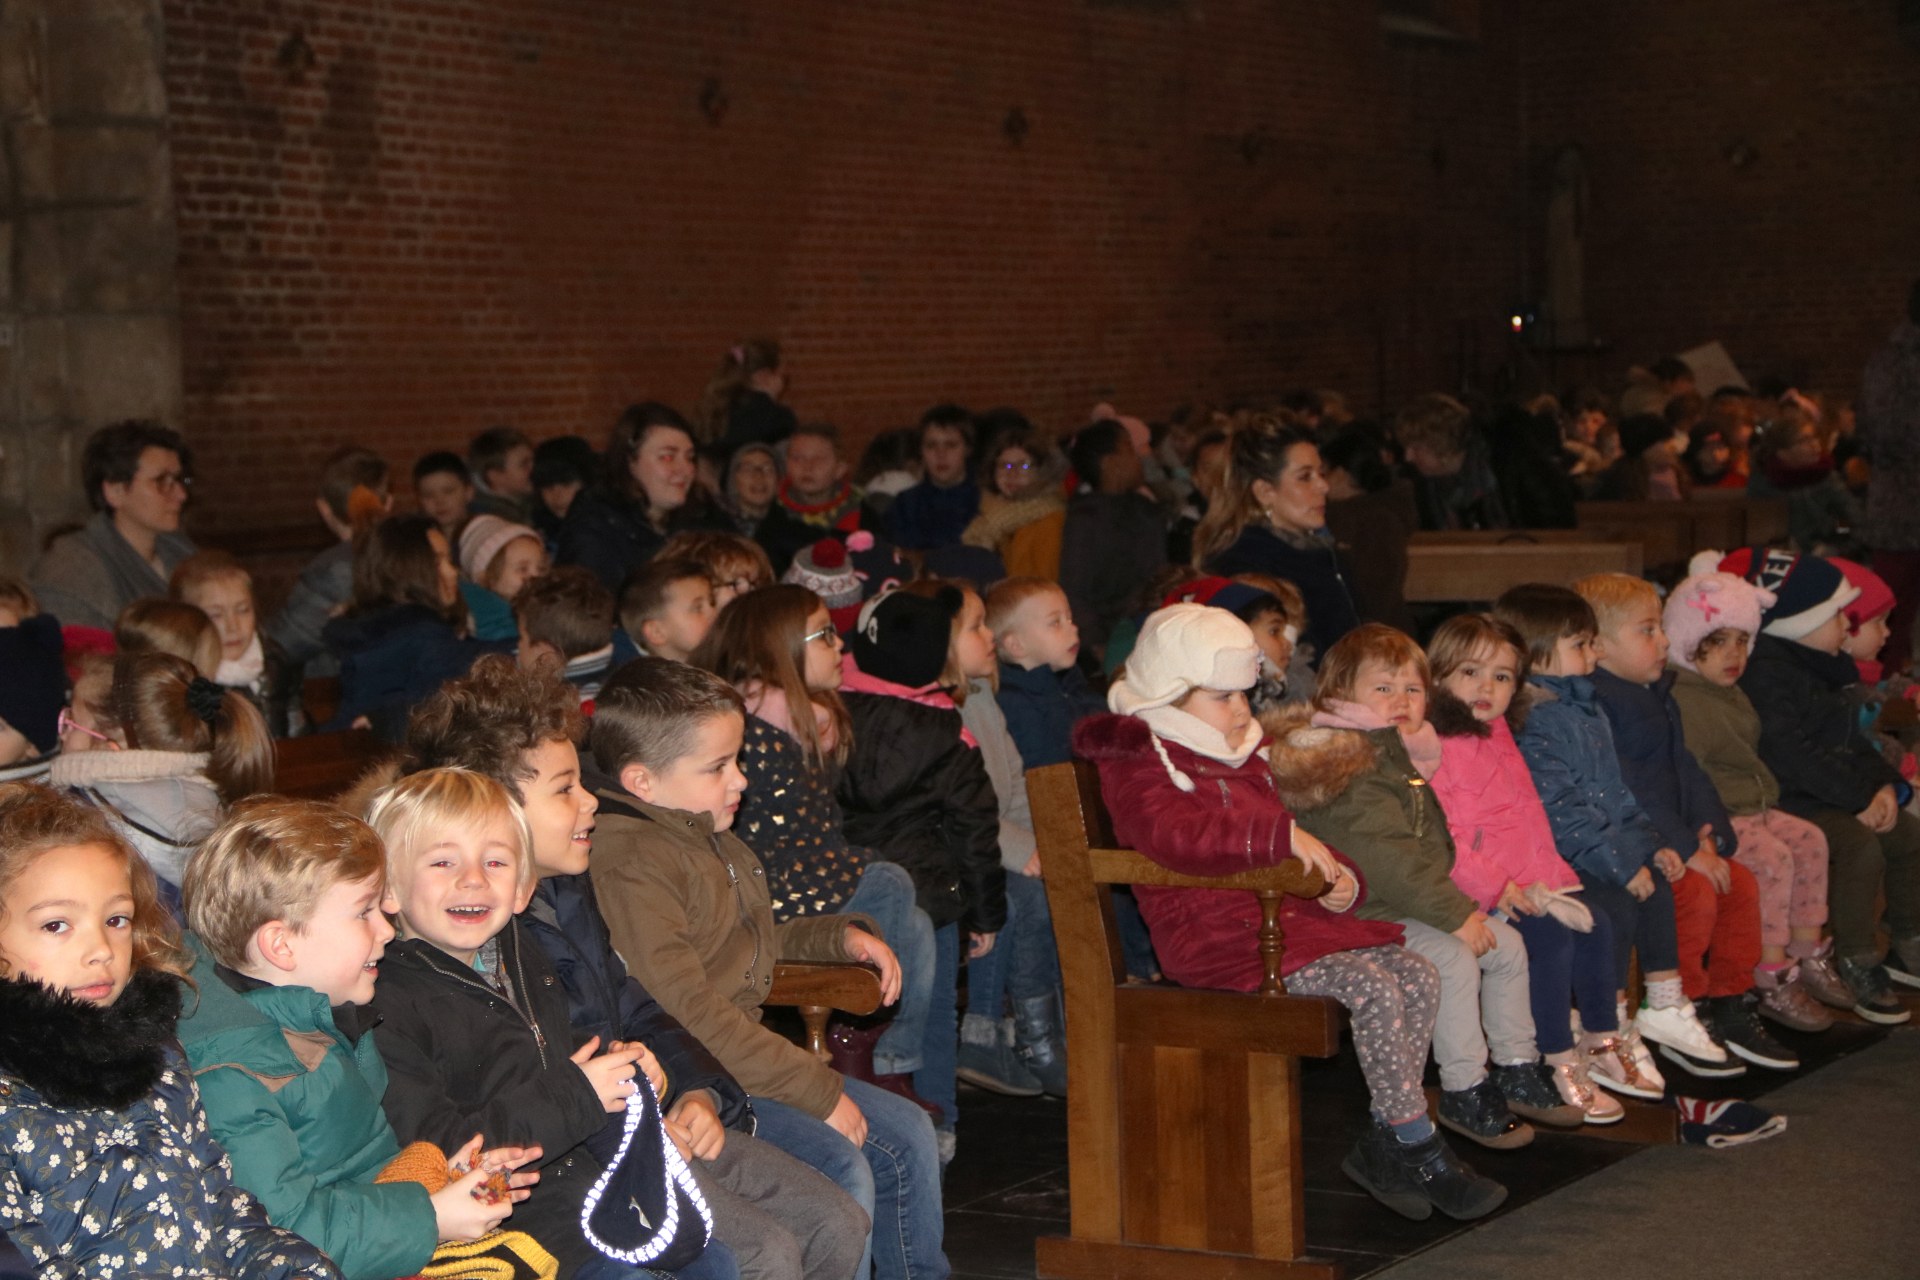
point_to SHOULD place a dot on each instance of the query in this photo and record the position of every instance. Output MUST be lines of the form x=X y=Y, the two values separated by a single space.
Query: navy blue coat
x=927 y=516
x=1665 y=778
x=1598 y=825
x=1810 y=731
x=1315 y=568
x=1041 y=707
x=393 y=658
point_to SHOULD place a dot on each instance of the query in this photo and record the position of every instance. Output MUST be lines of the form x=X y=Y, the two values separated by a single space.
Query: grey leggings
x=1392 y=997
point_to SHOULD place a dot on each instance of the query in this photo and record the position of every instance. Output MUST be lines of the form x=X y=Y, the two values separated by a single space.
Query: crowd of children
x=708 y=700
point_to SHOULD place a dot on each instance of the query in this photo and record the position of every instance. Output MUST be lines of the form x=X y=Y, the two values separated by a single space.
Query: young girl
x=1030 y=1054
x=108 y=1155
x=1355 y=770
x=497 y=558
x=219 y=586
x=778 y=647
x=192 y=749
x=1183 y=776
x=1022 y=511
x=169 y=626
x=741 y=404
x=1505 y=859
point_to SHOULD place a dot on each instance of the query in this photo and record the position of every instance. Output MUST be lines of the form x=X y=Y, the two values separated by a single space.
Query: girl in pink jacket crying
x=1504 y=857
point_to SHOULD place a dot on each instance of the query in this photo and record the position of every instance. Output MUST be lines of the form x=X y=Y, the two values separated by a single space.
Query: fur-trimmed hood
x=1452 y=718
x=77 y=1054
x=1000 y=518
x=1312 y=766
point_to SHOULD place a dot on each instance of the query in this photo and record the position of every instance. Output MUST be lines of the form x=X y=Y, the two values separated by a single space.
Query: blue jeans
x=1563 y=963
x=886 y=893
x=1647 y=927
x=940 y=1046
x=1023 y=962
x=897 y=1183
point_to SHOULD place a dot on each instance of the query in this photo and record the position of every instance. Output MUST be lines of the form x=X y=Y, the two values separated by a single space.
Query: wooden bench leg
x=815 y=1018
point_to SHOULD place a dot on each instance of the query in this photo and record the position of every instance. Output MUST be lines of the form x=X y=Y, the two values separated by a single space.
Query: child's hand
x=1033 y=866
x=980 y=944
x=1641 y=886
x=506 y=1160
x=1669 y=863
x=1879 y=816
x=1713 y=867
x=695 y=1124
x=1341 y=894
x=648 y=1065
x=610 y=1075
x=1314 y=853
x=861 y=945
x=1514 y=901
x=1474 y=932
x=847 y=1120
x=461 y=1210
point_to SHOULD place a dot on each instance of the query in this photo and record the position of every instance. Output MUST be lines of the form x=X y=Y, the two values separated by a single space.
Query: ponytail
x=163 y=705
x=1257 y=447
x=729 y=381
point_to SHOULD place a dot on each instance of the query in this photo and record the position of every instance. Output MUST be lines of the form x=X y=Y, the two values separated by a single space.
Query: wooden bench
x=817 y=990
x=1479 y=566
x=1183 y=1106
x=320 y=766
x=1671 y=532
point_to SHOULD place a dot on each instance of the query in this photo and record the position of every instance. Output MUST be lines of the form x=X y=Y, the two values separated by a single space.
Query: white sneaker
x=1612 y=1064
x=1679 y=1028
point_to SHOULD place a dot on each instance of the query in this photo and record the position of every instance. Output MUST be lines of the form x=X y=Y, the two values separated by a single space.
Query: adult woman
x=1022 y=511
x=1271 y=518
x=646 y=495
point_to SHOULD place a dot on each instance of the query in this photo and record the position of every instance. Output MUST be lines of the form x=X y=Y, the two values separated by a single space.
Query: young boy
x=500 y=460
x=353 y=488
x=1831 y=775
x=1042 y=692
x=1114 y=537
x=283 y=903
x=775 y=1214
x=816 y=490
x=666 y=608
x=220 y=587
x=935 y=512
x=444 y=489
x=562 y=467
x=566 y=627
x=687 y=905
x=1716 y=901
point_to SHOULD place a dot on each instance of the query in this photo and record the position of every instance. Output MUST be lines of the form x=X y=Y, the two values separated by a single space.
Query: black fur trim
x=76 y=1054
x=1452 y=718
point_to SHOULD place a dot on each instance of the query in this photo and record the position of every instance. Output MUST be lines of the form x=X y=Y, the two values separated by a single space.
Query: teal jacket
x=297 y=1106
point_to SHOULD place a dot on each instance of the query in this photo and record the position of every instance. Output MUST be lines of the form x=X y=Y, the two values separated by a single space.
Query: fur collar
x=1451 y=718
x=1313 y=767
x=1000 y=518
x=76 y=1054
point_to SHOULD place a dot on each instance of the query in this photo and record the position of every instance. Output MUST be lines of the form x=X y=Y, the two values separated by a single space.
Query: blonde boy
x=1042 y=692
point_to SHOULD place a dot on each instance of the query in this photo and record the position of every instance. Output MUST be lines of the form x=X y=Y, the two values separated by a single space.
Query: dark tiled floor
x=1008 y=1184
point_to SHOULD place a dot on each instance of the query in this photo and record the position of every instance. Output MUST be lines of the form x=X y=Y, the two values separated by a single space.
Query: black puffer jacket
x=611 y=536
x=919 y=793
x=1809 y=734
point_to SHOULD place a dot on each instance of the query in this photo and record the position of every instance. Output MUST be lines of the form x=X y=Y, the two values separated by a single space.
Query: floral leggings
x=1392 y=997
x=1788 y=856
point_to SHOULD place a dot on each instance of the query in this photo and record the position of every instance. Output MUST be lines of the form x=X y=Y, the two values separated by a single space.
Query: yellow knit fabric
x=498 y=1255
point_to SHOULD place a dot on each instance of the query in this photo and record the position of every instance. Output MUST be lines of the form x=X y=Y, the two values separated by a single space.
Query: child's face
x=705 y=780
x=1270 y=633
x=1042 y=633
x=1013 y=471
x=444 y=497
x=229 y=602
x=1227 y=712
x=521 y=561
x=1830 y=636
x=1635 y=647
x=1396 y=694
x=683 y=621
x=813 y=468
x=755 y=480
x=559 y=809
x=558 y=498
x=1722 y=658
x=461 y=888
x=1571 y=656
x=443 y=563
x=822 y=670
x=514 y=476
x=1864 y=645
x=1485 y=681
x=338 y=952
x=81 y=730
x=972 y=649
x=69 y=923
x=943 y=453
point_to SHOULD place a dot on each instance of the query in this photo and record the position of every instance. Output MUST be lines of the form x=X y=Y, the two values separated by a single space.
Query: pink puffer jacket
x=1500 y=830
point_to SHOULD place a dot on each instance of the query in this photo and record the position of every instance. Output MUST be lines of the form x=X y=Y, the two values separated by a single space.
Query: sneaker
x=1529 y=1090
x=1571 y=1083
x=1642 y=1056
x=1737 y=1026
x=1786 y=1002
x=1903 y=962
x=1612 y=1064
x=1872 y=998
x=1821 y=979
x=1679 y=1029
x=1481 y=1114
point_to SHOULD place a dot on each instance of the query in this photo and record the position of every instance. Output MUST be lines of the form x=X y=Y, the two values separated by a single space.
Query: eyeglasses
x=826 y=633
x=67 y=722
x=170 y=481
x=1016 y=467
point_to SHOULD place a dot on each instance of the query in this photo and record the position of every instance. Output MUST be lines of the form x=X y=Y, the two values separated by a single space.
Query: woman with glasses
x=1023 y=507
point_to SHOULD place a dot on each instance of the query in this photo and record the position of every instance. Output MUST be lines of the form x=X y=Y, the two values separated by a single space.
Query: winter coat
x=1041 y=707
x=161 y=801
x=463 y=1059
x=687 y=909
x=927 y=516
x=1723 y=733
x=604 y=1000
x=1359 y=792
x=755 y=417
x=1310 y=562
x=914 y=790
x=610 y=535
x=1025 y=532
x=1232 y=821
x=393 y=658
x=791 y=820
x=1006 y=769
x=323 y=588
x=1665 y=778
x=295 y=1101
x=1111 y=543
x=109 y=1168
x=1809 y=735
x=782 y=535
x=1888 y=418
x=1598 y=825
x=88 y=576
x=1500 y=830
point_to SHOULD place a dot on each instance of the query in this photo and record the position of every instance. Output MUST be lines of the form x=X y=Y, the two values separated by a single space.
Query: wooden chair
x=1183 y=1107
x=817 y=990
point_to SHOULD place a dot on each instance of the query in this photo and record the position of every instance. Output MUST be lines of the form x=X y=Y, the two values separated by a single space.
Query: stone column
x=89 y=317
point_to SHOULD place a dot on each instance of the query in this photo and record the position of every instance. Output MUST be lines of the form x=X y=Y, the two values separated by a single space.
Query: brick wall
x=402 y=220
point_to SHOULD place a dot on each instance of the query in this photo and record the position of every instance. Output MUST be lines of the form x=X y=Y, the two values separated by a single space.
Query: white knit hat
x=1181 y=648
x=486 y=537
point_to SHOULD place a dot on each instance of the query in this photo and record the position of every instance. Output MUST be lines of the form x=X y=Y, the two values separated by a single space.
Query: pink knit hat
x=1875 y=597
x=1708 y=602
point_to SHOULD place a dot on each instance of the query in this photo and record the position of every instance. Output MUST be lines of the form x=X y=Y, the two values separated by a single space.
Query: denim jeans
x=898 y=1182
x=886 y=893
x=1023 y=961
x=1562 y=967
x=940 y=1046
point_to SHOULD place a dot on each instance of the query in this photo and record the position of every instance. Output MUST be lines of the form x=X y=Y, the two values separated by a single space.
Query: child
x=284 y=905
x=1711 y=620
x=217 y=584
x=497 y=558
x=562 y=466
x=1041 y=691
x=735 y=565
x=937 y=510
x=169 y=626
x=666 y=607
x=353 y=494
x=1354 y=770
x=1505 y=859
x=443 y=487
x=1022 y=511
x=500 y=460
x=108 y=1154
x=1716 y=902
x=741 y=404
x=816 y=491
x=1603 y=833
x=1267 y=618
x=686 y=904
x=1114 y=535
x=32 y=724
x=1831 y=775
x=193 y=748
x=1183 y=778
x=565 y=621
x=87 y=724
x=1297 y=674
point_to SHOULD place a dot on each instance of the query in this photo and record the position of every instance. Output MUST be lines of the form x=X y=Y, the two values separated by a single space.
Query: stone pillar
x=89 y=317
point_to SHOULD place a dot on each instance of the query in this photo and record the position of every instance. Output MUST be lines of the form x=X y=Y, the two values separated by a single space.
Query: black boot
x=1448 y=1182
x=1036 y=1033
x=1375 y=1167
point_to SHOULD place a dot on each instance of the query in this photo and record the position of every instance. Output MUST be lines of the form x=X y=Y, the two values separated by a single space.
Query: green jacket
x=1723 y=733
x=297 y=1106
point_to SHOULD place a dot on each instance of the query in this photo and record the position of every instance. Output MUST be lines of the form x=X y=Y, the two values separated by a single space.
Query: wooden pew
x=1671 y=532
x=322 y=765
x=817 y=990
x=1183 y=1107
x=1479 y=566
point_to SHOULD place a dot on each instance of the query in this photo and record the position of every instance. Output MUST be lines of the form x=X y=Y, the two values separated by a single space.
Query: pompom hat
x=1181 y=648
x=824 y=569
x=1807 y=590
x=1708 y=602
x=486 y=537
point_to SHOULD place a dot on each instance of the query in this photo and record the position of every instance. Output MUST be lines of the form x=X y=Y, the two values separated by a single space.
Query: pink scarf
x=854 y=680
x=770 y=704
x=1423 y=744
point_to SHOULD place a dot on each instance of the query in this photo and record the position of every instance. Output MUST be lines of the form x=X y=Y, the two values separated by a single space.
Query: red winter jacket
x=1230 y=822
